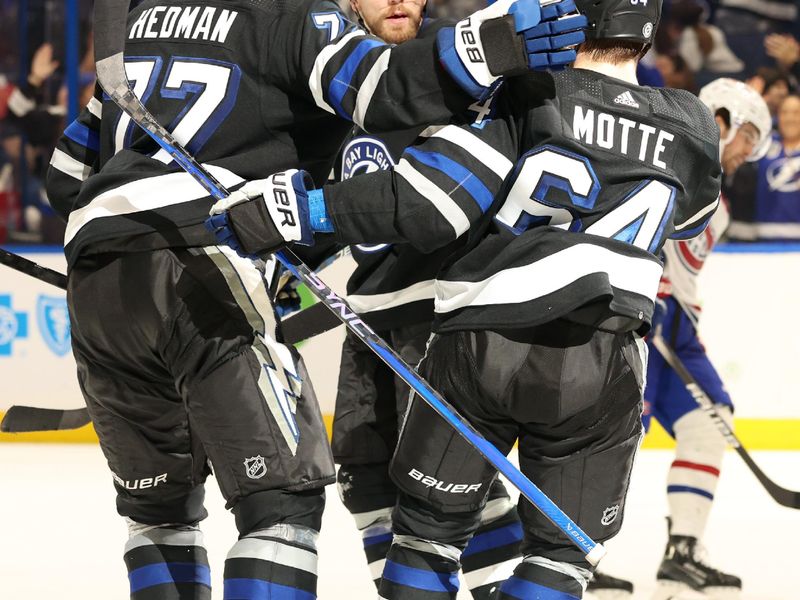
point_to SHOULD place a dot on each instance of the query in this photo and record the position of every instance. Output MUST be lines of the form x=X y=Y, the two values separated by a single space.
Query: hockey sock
x=418 y=569
x=167 y=562
x=493 y=552
x=277 y=562
x=545 y=579
x=376 y=535
x=694 y=474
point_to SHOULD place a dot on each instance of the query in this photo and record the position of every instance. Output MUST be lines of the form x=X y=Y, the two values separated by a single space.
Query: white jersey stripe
x=325 y=55
x=448 y=207
x=548 y=275
x=145 y=194
x=95 y=107
x=477 y=148
x=696 y=217
x=69 y=166
x=275 y=552
x=367 y=89
x=364 y=303
x=19 y=103
x=491 y=574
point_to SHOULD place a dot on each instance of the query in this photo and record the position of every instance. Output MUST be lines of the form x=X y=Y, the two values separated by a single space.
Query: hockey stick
x=110 y=33
x=21 y=419
x=781 y=495
x=23 y=265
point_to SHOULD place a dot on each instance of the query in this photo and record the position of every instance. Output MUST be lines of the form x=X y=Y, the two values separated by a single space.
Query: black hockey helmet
x=634 y=20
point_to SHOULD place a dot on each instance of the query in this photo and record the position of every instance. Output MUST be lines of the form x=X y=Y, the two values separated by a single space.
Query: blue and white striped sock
x=277 y=562
x=167 y=562
x=418 y=569
x=544 y=579
x=493 y=552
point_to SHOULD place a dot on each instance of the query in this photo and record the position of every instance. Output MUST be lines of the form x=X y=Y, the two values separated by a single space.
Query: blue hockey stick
x=110 y=17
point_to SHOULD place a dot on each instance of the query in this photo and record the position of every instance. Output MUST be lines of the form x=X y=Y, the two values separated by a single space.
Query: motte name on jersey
x=206 y=23
x=626 y=136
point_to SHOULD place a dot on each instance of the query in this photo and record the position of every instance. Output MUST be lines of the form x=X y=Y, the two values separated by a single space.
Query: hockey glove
x=264 y=214
x=508 y=38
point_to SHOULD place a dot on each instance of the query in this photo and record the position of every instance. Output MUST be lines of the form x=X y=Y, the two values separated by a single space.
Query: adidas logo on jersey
x=627 y=99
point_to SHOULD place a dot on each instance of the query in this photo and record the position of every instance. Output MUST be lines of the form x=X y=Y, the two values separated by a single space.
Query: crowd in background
x=757 y=41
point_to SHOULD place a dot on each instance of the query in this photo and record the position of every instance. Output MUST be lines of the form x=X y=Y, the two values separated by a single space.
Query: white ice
x=60 y=537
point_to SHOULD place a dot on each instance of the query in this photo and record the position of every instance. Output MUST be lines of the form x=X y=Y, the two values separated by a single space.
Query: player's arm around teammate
x=392 y=290
x=175 y=337
x=567 y=193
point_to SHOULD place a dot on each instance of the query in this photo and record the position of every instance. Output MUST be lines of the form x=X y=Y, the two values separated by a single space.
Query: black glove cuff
x=504 y=47
x=253 y=226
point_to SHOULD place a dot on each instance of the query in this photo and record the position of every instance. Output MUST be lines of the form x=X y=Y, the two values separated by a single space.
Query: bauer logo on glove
x=265 y=214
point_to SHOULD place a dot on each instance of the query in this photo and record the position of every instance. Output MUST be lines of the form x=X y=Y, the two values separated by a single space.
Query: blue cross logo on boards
x=13 y=325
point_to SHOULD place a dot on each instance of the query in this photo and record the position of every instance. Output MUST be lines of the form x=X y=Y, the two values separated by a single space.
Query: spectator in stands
x=785 y=49
x=701 y=45
x=771 y=212
x=773 y=85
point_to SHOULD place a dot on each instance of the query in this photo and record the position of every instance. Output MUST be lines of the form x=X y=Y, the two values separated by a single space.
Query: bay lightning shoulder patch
x=365 y=155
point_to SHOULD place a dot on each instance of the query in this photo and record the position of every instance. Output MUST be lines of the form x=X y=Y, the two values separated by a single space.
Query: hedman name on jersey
x=187 y=22
x=610 y=132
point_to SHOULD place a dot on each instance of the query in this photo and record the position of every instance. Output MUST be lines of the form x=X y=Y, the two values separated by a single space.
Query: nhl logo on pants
x=610 y=515
x=255 y=467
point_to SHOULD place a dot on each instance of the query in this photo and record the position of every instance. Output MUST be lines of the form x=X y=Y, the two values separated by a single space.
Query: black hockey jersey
x=393 y=284
x=567 y=196
x=248 y=87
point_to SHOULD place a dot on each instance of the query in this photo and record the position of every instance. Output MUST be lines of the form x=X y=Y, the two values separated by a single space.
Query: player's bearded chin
x=399 y=23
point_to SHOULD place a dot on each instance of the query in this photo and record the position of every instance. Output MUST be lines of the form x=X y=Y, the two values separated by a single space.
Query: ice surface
x=61 y=537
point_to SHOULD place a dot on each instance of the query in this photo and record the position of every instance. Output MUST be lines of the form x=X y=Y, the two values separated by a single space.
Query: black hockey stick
x=781 y=495
x=23 y=265
x=110 y=33
x=21 y=419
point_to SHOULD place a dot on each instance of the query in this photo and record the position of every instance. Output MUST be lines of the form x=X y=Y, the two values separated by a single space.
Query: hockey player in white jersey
x=392 y=290
x=745 y=126
x=566 y=193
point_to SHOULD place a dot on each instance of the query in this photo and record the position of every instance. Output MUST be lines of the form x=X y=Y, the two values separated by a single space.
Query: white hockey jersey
x=683 y=260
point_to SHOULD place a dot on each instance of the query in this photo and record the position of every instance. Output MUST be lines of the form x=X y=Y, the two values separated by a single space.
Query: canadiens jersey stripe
x=548 y=275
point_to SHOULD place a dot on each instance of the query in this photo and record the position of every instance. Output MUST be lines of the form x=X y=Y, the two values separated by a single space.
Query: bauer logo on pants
x=53 y=319
x=255 y=467
x=610 y=515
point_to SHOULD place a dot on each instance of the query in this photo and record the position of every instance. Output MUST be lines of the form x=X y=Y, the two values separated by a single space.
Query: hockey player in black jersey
x=178 y=351
x=392 y=290
x=567 y=194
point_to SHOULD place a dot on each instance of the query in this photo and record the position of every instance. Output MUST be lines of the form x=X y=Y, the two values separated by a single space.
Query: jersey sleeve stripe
x=138 y=196
x=343 y=78
x=458 y=173
x=448 y=207
x=368 y=86
x=548 y=275
x=699 y=215
x=81 y=134
x=69 y=165
x=363 y=303
x=95 y=107
x=322 y=60
x=478 y=148
x=19 y=104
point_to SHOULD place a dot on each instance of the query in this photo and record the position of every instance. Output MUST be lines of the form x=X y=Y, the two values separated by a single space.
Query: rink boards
x=749 y=326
